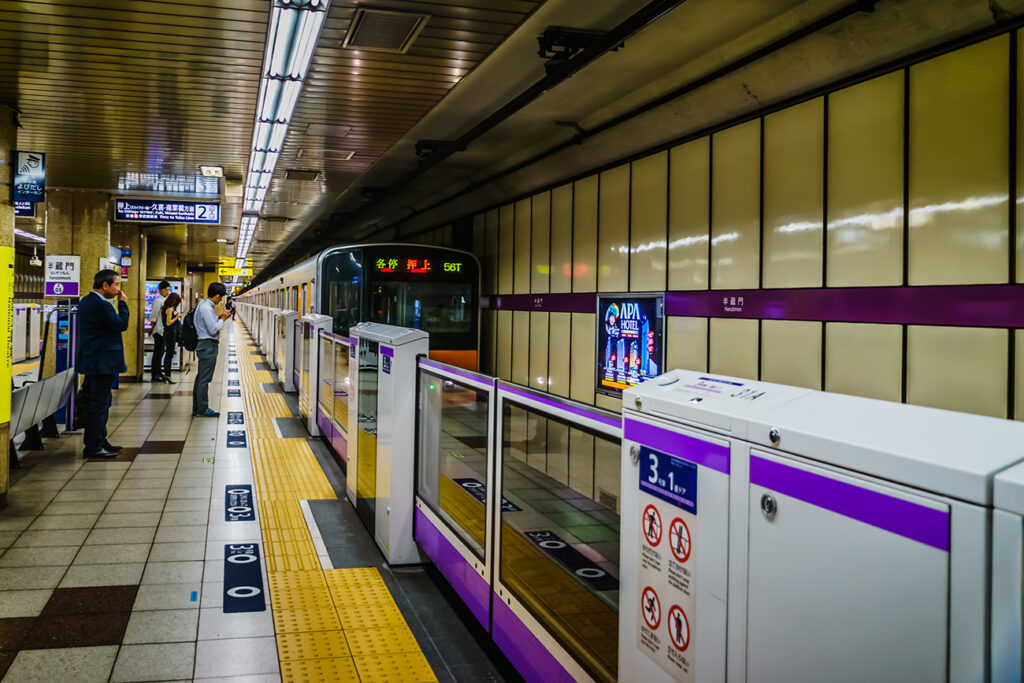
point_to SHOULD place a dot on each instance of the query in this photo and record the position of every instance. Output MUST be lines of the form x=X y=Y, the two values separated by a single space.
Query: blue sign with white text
x=166 y=211
x=236 y=438
x=478 y=490
x=235 y=417
x=238 y=503
x=24 y=209
x=243 y=579
x=29 y=177
x=579 y=564
x=669 y=478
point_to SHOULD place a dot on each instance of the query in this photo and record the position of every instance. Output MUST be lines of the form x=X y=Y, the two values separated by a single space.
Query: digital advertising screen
x=630 y=340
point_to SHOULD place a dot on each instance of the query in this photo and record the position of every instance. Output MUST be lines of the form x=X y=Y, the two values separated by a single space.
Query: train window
x=366 y=436
x=344 y=304
x=444 y=309
x=452 y=456
x=560 y=532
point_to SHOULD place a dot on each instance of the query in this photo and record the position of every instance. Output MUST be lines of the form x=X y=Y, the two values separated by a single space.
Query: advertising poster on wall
x=630 y=340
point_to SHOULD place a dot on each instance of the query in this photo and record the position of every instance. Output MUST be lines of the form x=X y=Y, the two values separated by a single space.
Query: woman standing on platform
x=172 y=332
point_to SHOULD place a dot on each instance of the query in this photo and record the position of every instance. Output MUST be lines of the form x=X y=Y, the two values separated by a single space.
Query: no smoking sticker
x=652 y=525
x=678 y=628
x=679 y=539
x=651 y=608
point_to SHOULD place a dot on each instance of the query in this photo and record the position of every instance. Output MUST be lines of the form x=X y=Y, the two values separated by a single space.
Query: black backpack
x=189 y=336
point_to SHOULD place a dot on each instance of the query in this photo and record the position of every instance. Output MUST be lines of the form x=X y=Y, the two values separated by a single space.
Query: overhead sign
x=62 y=274
x=24 y=209
x=29 y=177
x=234 y=272
x=166 y=211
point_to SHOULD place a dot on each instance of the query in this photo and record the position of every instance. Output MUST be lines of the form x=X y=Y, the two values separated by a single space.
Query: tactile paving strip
x=382 y=641
x=407 y=667
x=313 y=645
x=341 y=669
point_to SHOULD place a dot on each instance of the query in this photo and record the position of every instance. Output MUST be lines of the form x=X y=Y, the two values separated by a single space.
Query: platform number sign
x=238 y=503
x=243 y=578
x=667 y=502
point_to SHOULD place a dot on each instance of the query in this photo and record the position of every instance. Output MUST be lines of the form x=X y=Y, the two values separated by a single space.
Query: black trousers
x=170 y=340
x=99 y=406
x=156 y=361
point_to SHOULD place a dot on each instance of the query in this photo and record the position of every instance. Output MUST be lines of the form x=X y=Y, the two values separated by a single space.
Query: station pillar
x=133 y=283
x=7 y=144
x=78 y=222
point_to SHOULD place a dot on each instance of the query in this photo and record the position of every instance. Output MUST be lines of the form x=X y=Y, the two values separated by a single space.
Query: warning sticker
x=668 y=496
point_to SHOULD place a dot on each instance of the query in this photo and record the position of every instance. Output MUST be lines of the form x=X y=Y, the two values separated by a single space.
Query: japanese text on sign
x=62 y=274
x=161 y=211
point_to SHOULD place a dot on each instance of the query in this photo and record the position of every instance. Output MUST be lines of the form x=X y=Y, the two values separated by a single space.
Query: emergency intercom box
x=380 y=474
x=804 y=535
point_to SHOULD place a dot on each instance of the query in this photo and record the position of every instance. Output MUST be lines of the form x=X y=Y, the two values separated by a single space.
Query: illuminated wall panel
x=794 y=159
x=864 y=360
x=538 y=374
x=561 y=239
x=686 y=343
x=791 y=353
x=955 y=368
x=648 y=221
x=506 y=248
x=521 y=260
x=582 y=368
x=478 y=238
x=503 y=355
x=688 y=215
x=736 y=206
x=613 y=231
x=521 y=347
x=492 y=239
x=488 y=341
x=581 y=461
x=959 y=156
x=734 y=347
x=865 y=183
x=540 y=275
x=558 y=346
x=584 y=238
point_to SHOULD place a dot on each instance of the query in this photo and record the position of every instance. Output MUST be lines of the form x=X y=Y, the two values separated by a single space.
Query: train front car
x=435 y=289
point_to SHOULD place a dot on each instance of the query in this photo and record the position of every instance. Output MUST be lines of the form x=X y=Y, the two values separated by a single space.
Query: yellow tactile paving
x=331 y=625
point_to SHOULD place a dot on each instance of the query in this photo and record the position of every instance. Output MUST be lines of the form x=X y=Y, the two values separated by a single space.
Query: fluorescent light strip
x=29 y=235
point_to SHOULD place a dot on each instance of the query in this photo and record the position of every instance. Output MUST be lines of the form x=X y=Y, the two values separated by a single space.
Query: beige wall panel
x=1018 y=363
x=958 y=368
x=538 y=375
x=865 y=183
x=559 y=336
x=1020 y=187
x=540 y=275
x=613 y=403
x=791 y=353
x=521 y=262
x=959 y=157
x=688 y=215
x=794 y=168
x=561 y=239
x=686 y=343
x=503 y=346
x=489 y=341
x=608 y=474
x=736 y=206
x=521 y=347
x=648 y=221
x=584 y=235
x=581 y=462
x=734 y=347
x=479 y=243
x=506 y=248
x=613 y=231
x=558 y=452
x=582 y=360
x=492 y=238
x=864 y=360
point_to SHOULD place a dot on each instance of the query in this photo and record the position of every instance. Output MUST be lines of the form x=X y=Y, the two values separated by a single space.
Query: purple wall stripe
x=911 y=520
x=387 y=351
x=575 y=410
x=958 y=305
x=472 y=379
x=704 y=453
x=530 y=658
x=470 y=586
x=325 y=425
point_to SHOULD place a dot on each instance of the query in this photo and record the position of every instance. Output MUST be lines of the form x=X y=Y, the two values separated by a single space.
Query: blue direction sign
x=29 y=177
x=166 y=211
x=24 y=209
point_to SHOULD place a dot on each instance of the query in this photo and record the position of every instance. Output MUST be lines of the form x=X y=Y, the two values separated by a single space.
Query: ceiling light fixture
x=29 y=235
x=222 y=240
x=294 y=31
x=212 y=171
x=246 y=230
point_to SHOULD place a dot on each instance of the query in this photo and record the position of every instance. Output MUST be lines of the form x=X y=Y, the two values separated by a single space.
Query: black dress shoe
x=101 y=453
x=107 y=446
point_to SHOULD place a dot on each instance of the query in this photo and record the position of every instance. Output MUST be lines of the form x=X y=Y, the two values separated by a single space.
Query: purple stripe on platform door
x=470 y=586
x=698 y=451
x=530 y=658
x=910 y=520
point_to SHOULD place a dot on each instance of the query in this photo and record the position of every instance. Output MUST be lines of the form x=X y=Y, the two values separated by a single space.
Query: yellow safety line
x=331 y=625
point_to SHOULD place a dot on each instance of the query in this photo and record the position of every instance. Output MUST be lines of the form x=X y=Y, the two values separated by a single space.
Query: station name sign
x=166 y=211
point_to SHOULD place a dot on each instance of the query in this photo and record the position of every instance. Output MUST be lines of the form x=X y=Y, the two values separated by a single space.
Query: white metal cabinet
x=1008 y=575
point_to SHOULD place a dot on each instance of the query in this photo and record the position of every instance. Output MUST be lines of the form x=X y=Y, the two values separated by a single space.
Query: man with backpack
x=207 y=325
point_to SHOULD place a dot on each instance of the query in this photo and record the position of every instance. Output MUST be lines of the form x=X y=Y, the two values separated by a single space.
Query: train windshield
x=442 y=309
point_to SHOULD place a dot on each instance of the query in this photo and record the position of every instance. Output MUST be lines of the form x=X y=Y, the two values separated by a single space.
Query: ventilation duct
x=377 y=30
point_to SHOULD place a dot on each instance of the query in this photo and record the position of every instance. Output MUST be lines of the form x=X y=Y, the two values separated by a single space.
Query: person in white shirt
x=156 y=323
x=208 y=325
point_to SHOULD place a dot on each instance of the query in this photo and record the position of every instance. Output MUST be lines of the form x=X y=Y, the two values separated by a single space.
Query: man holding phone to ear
x=100 y=355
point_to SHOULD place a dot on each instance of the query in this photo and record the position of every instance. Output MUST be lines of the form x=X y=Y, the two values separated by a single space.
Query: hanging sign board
x=29 y=177
x=166 y=211
x=24 y=209
x=62 y=275
x=234 y=272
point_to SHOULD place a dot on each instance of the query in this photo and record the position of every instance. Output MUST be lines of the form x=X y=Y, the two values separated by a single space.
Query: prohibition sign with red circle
x=679 y=539
x=651 y=524
x=650 y=606
x=678 y=628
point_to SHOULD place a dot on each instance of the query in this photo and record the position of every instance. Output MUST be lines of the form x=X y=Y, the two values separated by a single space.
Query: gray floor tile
x=119 y=536
x=236 y=657
x=79 y=496
x=26 y=578
x=81 y=508
x=39 y=557
x=178 y=552
x=161 y=596
x=51 y=537
x=27 y=603
x=91 y=484
x=15 y=523
x=81 y=575
x=125 y=506
x=109 y=520
x=124 y=553
x=173 y=572
x=180 y=534
x=7 y=538
x=162 y=626
x=79 y=664
x=63 y=522
x=187 y=505
x=154 y=662
x=184 y=518
x=178 y=492
x=132 y=493
x=214 y=624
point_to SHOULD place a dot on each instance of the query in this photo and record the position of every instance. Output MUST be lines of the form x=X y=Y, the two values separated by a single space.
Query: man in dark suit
x=101 y=355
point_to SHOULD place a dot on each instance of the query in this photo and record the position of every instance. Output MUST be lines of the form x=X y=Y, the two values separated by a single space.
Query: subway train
x=435 y=289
